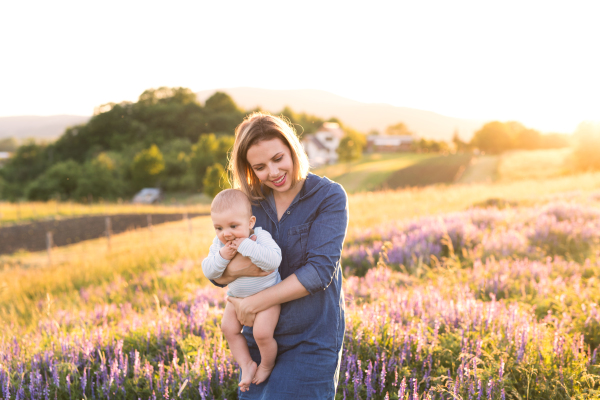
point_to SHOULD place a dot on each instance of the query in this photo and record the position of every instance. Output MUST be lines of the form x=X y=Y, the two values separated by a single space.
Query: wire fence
x=187 y=232
x=19 y=212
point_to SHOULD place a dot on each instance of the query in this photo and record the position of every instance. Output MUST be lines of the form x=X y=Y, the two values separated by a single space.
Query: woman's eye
x=278 y=159
x=258 y=169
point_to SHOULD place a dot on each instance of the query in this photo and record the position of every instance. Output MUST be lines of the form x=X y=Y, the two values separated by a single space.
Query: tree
x=146 y=167
x=209 y=150
x=586 y=151
x=215 y=180
x=177 y=95
x=2 y=187
x=60 y=180
x=528 y=139
x=430 y=146
x=177 y=163
x=459 y=145
x=29 y=161
x=100 y=178
x=221 y=103
x=494 y=137
x=304 y=123
x=351 y=146
x=8 y=144
x=400 y=129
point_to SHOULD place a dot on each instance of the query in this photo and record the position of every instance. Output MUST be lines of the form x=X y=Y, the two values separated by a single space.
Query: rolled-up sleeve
x=325 y=241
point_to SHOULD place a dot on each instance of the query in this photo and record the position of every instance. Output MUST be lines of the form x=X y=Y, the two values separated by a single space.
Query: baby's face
x=232 y=224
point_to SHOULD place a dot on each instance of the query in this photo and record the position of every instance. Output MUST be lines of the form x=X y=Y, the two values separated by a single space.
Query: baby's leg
x=232 y=329
x=264 y=327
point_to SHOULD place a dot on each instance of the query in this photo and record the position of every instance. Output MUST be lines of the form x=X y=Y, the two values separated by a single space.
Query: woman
x=307 y=216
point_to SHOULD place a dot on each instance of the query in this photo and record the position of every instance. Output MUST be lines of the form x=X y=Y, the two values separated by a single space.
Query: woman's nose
x=273 y=172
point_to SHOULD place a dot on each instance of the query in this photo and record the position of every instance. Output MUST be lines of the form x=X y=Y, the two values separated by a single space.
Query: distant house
x=321 y=146
x=388 y=143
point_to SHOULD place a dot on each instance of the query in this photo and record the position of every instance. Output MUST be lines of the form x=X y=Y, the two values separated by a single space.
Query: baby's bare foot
x=262 y=373
x=248 y=372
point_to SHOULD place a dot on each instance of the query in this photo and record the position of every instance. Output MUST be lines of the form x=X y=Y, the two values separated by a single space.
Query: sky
x=532 y=61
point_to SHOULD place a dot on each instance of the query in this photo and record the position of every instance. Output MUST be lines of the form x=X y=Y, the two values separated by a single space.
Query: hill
x=369 y=172
x=37 y=127
x=361 y=116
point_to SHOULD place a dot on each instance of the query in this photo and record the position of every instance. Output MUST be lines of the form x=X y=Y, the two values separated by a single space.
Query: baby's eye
x=217 y=229
x=233 y=226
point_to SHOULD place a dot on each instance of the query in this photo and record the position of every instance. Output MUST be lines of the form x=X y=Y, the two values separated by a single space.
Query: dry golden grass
x=368 y=209
x=27 y=279
x=534 y=164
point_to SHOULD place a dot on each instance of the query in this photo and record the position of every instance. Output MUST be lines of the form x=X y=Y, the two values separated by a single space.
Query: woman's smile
x=279 y=181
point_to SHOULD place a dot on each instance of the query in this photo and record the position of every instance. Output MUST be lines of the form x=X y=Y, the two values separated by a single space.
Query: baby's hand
x=235 y=243
x=228 y=251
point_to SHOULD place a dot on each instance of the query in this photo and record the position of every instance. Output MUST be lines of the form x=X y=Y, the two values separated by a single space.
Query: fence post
x=108 y=225
x=49 y=244
x=189 y=222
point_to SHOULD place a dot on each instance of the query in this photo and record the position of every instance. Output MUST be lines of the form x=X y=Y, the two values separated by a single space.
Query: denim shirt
x=311 y=235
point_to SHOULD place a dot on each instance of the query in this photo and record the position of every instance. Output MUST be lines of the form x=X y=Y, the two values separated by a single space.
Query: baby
x=232 y=218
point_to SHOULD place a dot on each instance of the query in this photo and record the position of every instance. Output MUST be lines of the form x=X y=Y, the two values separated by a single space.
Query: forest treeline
x=166 y=139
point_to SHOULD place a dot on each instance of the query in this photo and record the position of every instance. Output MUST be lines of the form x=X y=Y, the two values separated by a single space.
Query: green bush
x=146 y=167
x=215 y=180
x=209 y=150
x=100 y=178
x=60 y=180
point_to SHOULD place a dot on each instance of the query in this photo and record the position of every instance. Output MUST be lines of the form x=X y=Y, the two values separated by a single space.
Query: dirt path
x=483 y=169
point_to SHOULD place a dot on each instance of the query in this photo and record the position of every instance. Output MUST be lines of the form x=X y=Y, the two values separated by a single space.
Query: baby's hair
x=231 y=198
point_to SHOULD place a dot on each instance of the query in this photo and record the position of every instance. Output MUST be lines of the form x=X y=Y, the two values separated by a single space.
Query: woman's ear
x=252 y=221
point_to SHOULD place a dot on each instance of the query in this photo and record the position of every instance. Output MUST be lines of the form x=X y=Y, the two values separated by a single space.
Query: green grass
x=369 y=172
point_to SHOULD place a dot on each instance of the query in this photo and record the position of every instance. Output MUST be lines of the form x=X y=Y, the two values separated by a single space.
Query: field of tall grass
x=482 y=291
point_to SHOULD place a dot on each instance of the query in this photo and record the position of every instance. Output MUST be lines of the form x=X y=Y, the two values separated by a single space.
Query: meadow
x=480 y=291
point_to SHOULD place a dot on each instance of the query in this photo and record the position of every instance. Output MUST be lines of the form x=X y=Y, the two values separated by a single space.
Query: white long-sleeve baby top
x=264 y=253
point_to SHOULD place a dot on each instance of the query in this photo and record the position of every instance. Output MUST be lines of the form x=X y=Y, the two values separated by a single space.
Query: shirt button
x=288 y=212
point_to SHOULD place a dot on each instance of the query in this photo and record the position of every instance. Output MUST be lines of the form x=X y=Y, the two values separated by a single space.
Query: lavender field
x=485 y=303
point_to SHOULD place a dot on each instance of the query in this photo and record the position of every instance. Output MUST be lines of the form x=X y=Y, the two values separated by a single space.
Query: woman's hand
x=243 y=310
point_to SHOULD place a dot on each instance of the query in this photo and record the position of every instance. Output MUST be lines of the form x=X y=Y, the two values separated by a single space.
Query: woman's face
x=271 y=161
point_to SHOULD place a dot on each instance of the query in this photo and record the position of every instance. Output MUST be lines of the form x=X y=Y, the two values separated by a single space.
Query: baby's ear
x=252 y=222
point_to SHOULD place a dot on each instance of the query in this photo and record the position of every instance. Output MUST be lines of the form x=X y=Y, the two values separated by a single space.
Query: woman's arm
x=239 y=266
x=287 y=290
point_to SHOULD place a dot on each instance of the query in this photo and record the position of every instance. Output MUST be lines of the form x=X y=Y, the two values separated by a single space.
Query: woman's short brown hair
x=255 y=128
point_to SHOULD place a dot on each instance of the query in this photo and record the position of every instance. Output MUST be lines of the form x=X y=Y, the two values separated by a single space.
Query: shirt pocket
x=297 y=245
